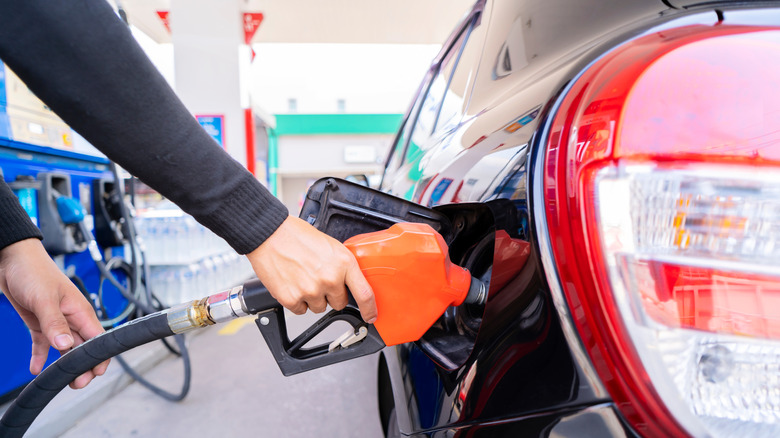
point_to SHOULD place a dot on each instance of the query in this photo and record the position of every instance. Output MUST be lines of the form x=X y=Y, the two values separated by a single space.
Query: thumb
x=55 y=327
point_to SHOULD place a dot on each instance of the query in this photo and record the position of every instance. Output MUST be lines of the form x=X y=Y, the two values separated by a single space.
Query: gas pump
x=44 y=165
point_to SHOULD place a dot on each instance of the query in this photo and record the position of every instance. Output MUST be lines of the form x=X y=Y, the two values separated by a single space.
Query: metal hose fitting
x=188 y=316
x=211 y=310
x=227 y=305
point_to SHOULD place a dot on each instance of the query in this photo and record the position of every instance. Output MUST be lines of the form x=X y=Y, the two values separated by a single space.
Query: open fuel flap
x=342 y=210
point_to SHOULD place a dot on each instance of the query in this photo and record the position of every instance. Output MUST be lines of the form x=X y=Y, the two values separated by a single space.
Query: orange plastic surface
x=412 y=276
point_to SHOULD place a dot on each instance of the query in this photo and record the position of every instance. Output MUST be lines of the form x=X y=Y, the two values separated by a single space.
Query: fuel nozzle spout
x=477 y=292
x=414 y=281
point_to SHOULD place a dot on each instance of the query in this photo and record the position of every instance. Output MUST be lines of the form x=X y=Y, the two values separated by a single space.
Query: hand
x=305 y=268
x=54 y=310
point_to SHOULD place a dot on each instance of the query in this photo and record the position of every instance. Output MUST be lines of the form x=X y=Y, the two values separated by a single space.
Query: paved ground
x=237 y=390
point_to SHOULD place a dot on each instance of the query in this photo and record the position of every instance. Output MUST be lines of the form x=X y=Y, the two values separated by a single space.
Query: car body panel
x=524 y=372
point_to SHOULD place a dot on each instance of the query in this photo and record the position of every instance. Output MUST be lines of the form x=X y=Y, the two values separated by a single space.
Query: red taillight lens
x=662 y=189
x=709 y=299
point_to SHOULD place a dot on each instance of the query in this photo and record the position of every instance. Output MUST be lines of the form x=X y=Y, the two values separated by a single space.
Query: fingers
x=331 y=291
x=82 y=380
x=80 y=316
x=320 y=306
x=316 y=292
x=288 y=299
x=338 y=298
x=298 y=308
x=312 y=294
x=97 y=370
x=54 y=325
x=40 y=351
x=362 y=292
x=84 y=325
x=101 y=368
x=304 y=268
x=317 y=302
x=299 y=302
x=54 y=310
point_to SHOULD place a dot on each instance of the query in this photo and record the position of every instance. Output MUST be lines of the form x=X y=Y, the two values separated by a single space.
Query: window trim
x=412 y=114
x=466 y=33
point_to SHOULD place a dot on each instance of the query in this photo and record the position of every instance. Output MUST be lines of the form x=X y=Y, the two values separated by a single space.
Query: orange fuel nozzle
x=414 y=281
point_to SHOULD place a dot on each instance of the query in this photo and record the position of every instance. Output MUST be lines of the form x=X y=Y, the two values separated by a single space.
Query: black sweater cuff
x=15 y=224
x=256 y=214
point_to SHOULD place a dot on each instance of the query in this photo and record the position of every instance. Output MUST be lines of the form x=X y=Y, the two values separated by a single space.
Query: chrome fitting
x=477 y=292
x=188 y=316
x=226 y=305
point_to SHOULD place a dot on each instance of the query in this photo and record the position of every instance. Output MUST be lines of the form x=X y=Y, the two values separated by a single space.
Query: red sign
x=164 y=17
x=252 y=21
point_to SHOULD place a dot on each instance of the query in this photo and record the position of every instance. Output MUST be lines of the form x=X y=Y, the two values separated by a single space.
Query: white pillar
x=207 y=37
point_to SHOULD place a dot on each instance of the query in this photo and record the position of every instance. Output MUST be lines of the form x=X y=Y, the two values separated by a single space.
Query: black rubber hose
x=38 y=393
x=185 y=388
x=104 y=272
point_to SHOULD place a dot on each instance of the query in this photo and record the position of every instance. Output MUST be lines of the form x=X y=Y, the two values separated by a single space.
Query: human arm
x=84 y=64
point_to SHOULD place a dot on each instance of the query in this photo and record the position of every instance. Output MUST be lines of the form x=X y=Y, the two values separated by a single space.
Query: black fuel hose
x=249 y=299
x=185 y=387
x=21 y=414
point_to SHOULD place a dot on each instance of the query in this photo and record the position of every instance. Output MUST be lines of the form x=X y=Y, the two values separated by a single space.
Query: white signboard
x=360 y=154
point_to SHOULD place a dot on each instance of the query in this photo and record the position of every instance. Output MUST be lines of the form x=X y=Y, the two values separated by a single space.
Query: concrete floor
x=237 y=390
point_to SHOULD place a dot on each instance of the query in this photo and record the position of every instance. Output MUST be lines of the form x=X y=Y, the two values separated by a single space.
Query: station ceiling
x=331 y=21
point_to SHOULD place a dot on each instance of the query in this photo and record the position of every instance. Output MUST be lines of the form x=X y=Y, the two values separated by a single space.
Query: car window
x=455 y=93
x=399 y=148
x=436 y=110
x=426 y=125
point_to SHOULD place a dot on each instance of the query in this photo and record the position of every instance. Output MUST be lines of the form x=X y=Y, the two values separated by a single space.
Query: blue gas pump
x=62 y=191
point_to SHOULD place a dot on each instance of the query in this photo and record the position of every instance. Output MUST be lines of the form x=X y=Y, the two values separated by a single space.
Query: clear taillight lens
x=693 y=259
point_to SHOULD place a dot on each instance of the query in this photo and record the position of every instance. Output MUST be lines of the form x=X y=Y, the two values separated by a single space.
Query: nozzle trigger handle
x=294 y=356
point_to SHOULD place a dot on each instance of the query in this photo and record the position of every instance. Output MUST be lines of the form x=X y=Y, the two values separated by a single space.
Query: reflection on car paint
x=427 y=387
x=523 y=120
x=439 y=190
x=512 y=184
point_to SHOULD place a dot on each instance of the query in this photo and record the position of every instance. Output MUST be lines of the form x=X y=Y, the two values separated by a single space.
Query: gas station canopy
x=333 y=21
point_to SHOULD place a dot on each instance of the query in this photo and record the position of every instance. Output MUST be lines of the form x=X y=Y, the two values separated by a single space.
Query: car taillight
x=662 y=191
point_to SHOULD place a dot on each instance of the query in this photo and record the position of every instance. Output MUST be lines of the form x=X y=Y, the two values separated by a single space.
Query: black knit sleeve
x=15 y=224
x=82 y=61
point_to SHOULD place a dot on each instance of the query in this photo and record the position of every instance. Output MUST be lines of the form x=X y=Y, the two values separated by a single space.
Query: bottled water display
x=187 y=260
x=173 y=237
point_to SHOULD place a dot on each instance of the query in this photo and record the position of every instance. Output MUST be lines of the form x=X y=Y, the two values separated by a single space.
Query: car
x=611 y=167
